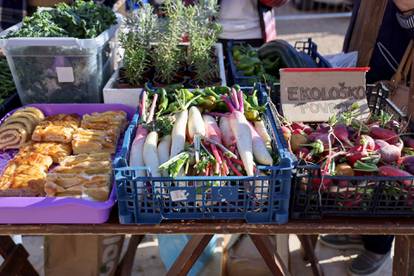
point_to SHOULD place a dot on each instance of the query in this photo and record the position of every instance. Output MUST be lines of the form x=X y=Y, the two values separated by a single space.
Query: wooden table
x=204 y=231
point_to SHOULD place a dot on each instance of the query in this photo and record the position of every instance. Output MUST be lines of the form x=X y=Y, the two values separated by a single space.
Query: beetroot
x=384 y=134
x=341 y=132
x=389 y=153
x=393 y=171
x=408 y=163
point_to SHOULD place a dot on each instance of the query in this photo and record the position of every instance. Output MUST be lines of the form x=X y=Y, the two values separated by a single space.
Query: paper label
x=178 y=195
x=65 y=74
x=311 y=95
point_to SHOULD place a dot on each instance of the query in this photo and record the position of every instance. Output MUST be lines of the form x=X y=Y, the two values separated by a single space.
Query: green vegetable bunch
x=203 y=33
x=248 y=62
x=82 y=19
x=6 y=80
x=138 y=31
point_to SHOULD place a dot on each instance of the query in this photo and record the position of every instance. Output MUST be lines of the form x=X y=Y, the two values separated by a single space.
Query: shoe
x=368 y=263
x=342 y=241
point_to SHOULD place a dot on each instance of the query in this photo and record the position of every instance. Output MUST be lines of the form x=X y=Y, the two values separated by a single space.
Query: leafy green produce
x=249 y=64
x=7 y=87
x=82 y=19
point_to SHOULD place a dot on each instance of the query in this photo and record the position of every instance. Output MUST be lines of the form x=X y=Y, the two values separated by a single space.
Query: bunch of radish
x=347 y=146
x=210 y=132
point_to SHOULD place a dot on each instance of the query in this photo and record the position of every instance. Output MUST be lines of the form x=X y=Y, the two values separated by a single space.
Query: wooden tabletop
x=343 y=226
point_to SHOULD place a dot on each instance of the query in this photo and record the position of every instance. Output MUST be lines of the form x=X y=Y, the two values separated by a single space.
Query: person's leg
x=342 y=241
x=378 y=244
x=371 y=260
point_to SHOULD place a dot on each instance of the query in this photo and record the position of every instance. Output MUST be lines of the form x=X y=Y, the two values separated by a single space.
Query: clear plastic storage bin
x=60 y=70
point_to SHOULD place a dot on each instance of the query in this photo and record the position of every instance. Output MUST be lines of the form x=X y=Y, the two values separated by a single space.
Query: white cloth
x=240 y=19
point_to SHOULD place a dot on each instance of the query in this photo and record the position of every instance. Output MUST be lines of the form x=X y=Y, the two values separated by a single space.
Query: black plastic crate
x=358 y=196
x=307 y=47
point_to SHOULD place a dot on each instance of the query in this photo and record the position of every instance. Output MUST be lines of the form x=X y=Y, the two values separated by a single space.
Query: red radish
x=367 y=142
x=228 y=136
x=393 y=171
x=260 y=152
x=409 y=142
x=297 y=140
x=384 y=134
x=324 y=128
x=408 y=163
x=297 y=125
x=241 y=130
x=355 y=156
x=303 y=153
x=341 y=132
x=323 y=137
x=389 y=153
x=308 y=130
x=287 y=133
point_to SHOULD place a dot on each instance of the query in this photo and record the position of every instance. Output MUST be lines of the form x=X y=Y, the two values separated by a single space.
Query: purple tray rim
x=21 y=206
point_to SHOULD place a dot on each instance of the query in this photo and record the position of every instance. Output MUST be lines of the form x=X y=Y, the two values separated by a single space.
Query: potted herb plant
x=155 y=54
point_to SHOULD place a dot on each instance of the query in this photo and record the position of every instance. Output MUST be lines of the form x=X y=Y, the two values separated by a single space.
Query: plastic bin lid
x=96 y=42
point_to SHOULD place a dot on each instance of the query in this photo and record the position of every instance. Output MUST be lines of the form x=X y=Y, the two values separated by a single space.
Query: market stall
x=161 y=145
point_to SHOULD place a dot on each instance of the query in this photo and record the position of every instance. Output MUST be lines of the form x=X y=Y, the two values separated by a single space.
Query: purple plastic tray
x=63 y=210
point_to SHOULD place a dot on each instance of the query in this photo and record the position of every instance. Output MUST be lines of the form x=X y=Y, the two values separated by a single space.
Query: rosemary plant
x=167 y=54
x=203 y=33
x=139 y=31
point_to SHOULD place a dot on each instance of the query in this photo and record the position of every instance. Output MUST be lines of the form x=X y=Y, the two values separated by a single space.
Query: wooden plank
x=383 y=226
x=308 y=243
x=269 y=254
x=191 y=252
x=125 y=266
x=403 y=256
x=366 y=28
x=6 y=245
x=16 y=263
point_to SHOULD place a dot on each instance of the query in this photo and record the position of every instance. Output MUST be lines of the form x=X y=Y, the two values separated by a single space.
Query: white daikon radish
x=164 y=151
x=150 y=153
x=227 y=134
x=178 y=134
x=260 y=127
x=195 y=123
x=260 y=152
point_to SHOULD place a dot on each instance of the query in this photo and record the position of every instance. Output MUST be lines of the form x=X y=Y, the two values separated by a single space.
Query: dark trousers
x=378 y=244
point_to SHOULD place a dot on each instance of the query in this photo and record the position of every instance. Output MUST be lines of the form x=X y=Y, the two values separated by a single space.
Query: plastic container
x=360 y=196
x=308 y=47
x=257 y=199
x=67 y=210
x=60 y=70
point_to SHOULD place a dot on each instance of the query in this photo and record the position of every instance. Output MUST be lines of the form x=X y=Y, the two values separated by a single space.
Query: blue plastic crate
x=307 y=47
x=257 y=199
